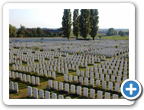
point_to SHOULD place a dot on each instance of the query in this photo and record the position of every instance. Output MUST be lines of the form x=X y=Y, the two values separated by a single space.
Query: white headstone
x=92 y=82
x=60 y=86
x=41 y=94
x=75 y=78
x=72 y=88
x=65 y=77
x=37 y=81
x=13 y=75
x=86 y=81
x=60 y=97
x=85 y=92
x=91 y=74
x=79 y=90
x=118 y=79
x=29 y=91
x=53 y=75
x=47 y=95
x=28 y=78
x=104 y=85
x=20 y=76
x=81 y=80
x=24 y=77
x=115 y=96
x=92 y=93
x=102 y=77
x=66 y=87
x=49 y=73
x=117 y=87
x=107 y=78
x=87 y=74
x=11 y=85
x=107 y=95
x=99 y=94
x=50 y=83
x=33 y=80
x=35 y=92
x=112 y=78
x=54 y=96
x=97 y=83
x=77 y=72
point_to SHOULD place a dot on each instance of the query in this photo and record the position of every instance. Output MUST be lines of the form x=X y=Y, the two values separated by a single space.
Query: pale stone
x=92 y=93
x=47 y=95
x=72 y=88
x=85 y=92
x=79 y=90
x=66 y=87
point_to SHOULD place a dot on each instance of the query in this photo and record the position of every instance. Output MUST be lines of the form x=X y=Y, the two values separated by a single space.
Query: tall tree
x=76 y=22
x=22 y=30
x=40 y=32
x=110 y=32
x=84 y=22
x=94 y=20
x=34 y=32
x=66 y=23
x=12 y=31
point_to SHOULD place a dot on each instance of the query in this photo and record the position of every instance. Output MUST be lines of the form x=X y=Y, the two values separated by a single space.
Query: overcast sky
x=52 y=18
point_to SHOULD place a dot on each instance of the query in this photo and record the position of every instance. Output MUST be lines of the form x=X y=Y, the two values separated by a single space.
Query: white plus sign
x=131 y=89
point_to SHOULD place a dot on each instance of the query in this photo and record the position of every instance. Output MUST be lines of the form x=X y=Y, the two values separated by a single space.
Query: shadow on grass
x=76 y=83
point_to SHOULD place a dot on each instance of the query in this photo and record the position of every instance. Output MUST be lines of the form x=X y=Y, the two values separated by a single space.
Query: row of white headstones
x=93 y=83
x=73 y=62
x=45 y=68
x=56 y=54
x=25 y=78
x=14 y=86
x=72 y=90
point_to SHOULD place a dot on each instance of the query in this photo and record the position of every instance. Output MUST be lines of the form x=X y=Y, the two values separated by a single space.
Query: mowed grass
x=103 y=36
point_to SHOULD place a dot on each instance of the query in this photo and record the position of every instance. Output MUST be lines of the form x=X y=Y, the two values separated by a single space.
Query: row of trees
x=84 y=24
x=112 y=32
x=33 y=32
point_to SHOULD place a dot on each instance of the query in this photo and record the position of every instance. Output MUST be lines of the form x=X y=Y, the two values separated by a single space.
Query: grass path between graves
x=44 y=82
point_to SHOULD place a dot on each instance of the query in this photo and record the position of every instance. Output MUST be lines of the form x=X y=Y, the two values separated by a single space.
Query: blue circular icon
x=131 y=89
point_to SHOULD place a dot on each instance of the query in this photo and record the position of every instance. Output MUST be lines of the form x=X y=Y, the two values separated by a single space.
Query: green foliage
x=55 y=34
x=34 y=32
x=20 y=35
x=76 y=23
x=66 y=23
x=116 y=46
x=111 y=32
x=121 y=33
x=12 y=31
x=36 y=48
x=78 y=53
x=94 y=22
x=84 y=22
x=40 y=32
x=71 y=43
x=22 y=31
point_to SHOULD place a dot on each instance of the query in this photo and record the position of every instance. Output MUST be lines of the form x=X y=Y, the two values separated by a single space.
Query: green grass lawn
x=103 y=36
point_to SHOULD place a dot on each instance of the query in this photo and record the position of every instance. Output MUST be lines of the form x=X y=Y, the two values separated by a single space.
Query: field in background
x=103 y=36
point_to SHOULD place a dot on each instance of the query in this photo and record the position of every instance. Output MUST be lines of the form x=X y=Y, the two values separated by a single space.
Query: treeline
x=83 y=24
x=112 y=32
x=28 y=32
